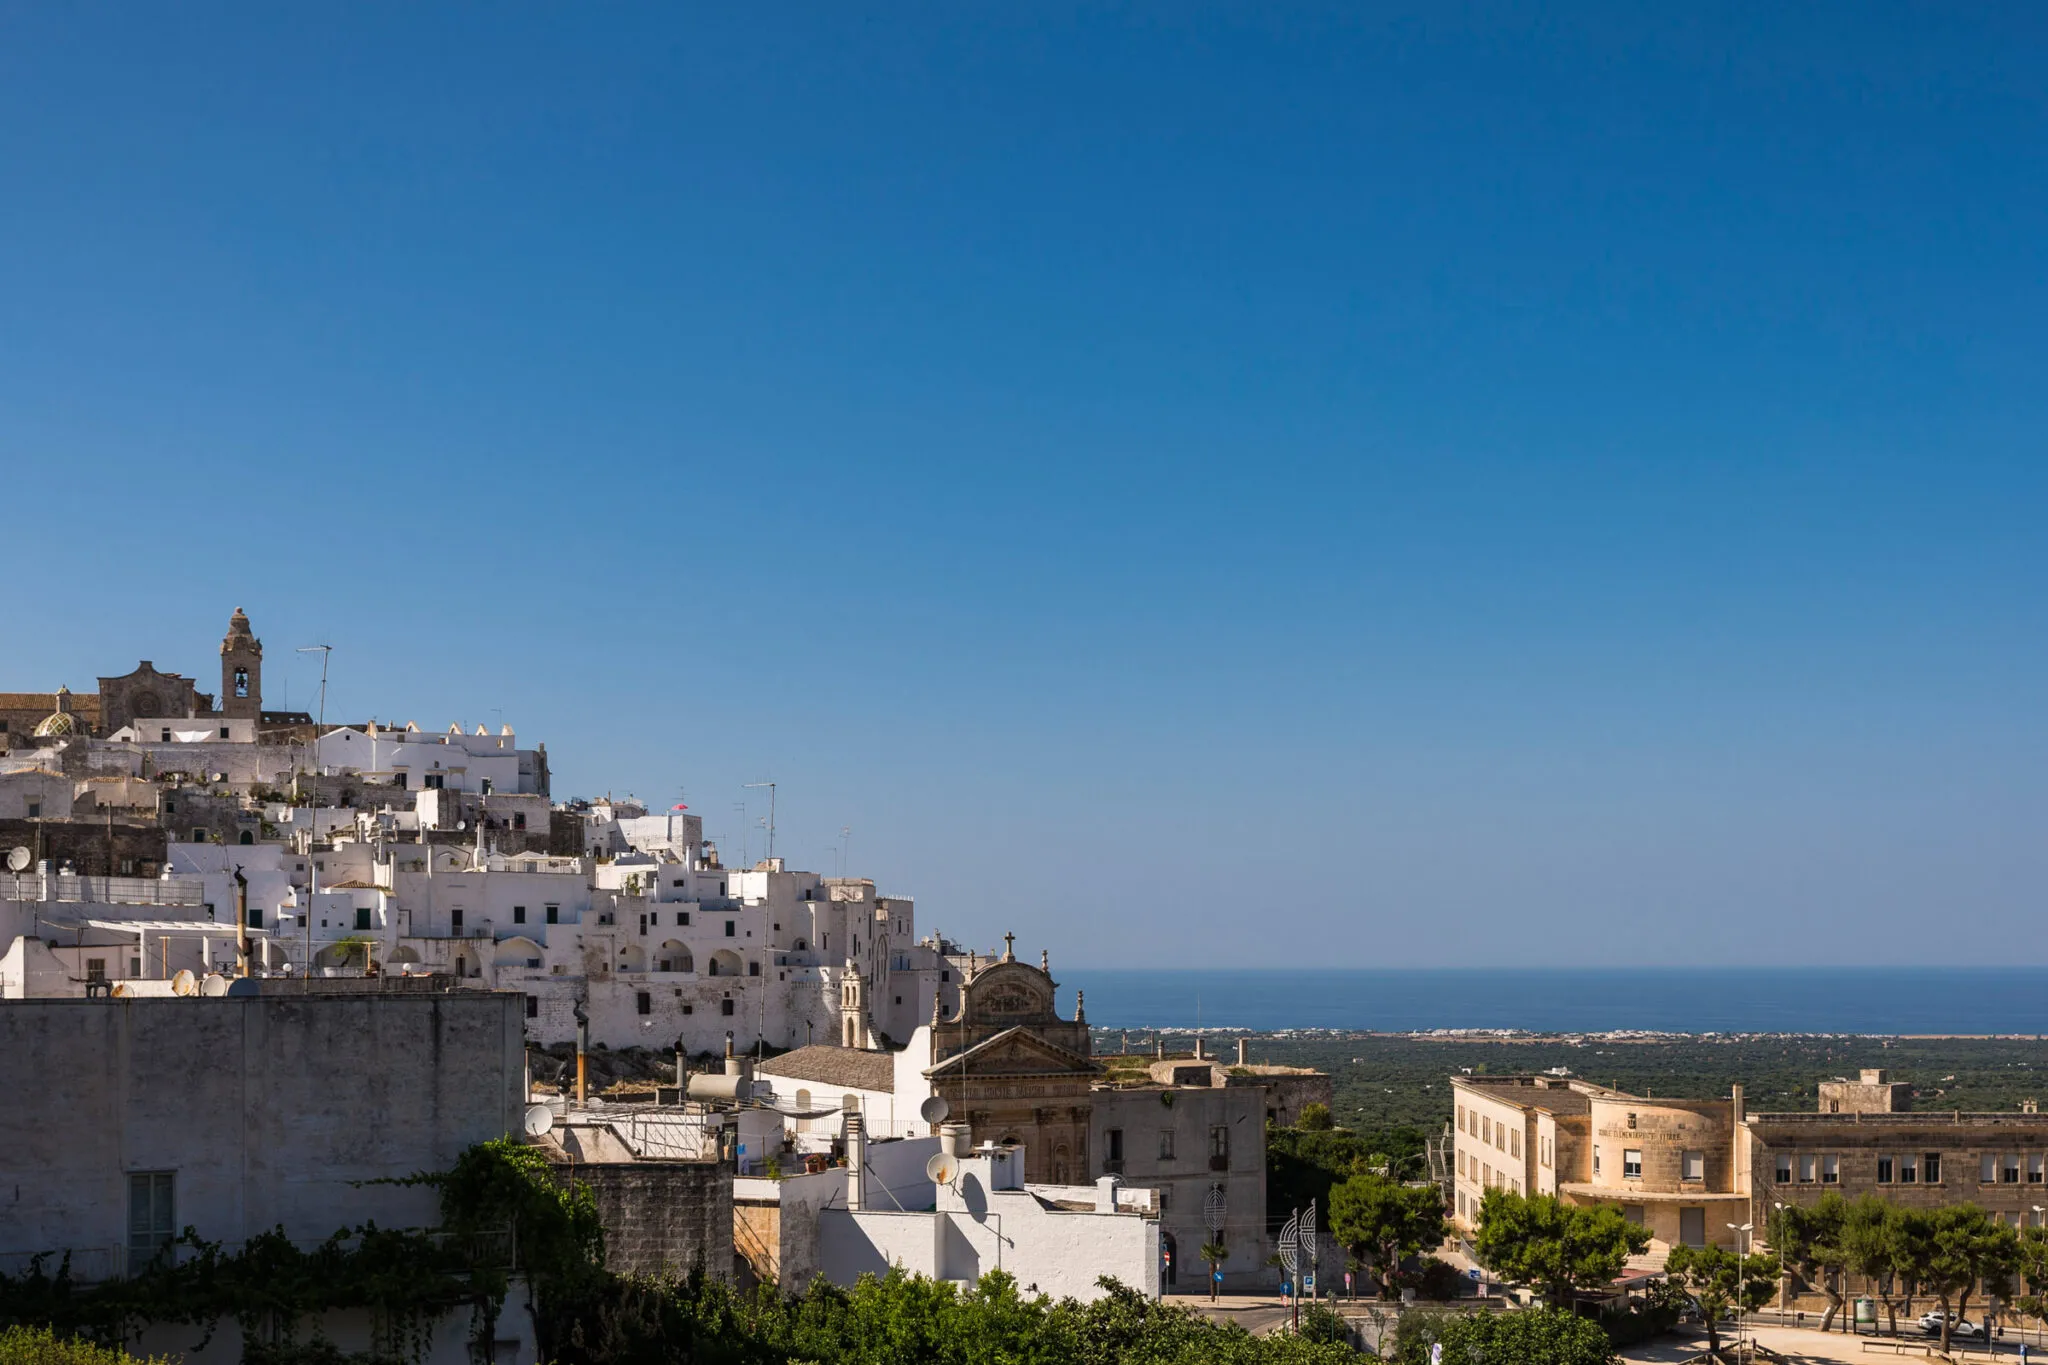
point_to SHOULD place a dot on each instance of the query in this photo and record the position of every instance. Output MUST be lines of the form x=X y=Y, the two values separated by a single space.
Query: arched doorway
x=1169 y=1252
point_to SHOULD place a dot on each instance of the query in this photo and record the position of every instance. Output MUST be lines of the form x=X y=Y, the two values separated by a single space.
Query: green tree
x=1213 y=1255
x=1315 y=1118
x=2031 y=1268
x=1716 y=1279
x=1381 y=1220
x=1810 y=1239
x=1550 y=1336
x=1543 y=1243
x=1965 y=1249
x=1881 y=1242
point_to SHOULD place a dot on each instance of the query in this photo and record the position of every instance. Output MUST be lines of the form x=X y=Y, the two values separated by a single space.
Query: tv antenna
x=771 y=811
x=324 y=651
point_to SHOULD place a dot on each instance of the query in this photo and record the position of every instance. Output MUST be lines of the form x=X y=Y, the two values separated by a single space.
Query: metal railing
x=102 y=890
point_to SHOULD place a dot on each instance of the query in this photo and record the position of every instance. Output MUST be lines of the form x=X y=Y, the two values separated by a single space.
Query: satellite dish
x=934 y=1110
x=214 y=986
x=184 y=983
x=940 y=1169
x=539 y=1120
x=18 y=858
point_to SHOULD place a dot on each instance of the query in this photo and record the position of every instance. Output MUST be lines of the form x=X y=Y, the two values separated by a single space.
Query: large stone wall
x=266 y=1110
x=661 y=1217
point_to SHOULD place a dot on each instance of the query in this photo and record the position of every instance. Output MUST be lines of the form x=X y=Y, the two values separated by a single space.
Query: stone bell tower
x=853 y=1010
x=241 y=670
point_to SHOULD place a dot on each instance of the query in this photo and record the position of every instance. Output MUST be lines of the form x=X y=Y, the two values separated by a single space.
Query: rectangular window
x=1884 y=1170
x=1461 y=1203
x=1784 y=1170
x=753 y=969
x=1909 y=1170
x=152 y=1216
x=255 y=917
x=643 y=926
x=533 y=1007
x=455 y=921
x=223 y=732
x=35 y=810
x=362 y=917
x=1596 y=1163
x=1514 y=1142
x=1487 y=1179
x=1166 y=1144
x=554 y=914
x=682 y=919
x=1930 y=1168
x=1987 y=1169
x=1692 y=1227
x=2009 y=1170
x=1693 y=1166
x=1461 y=1118
x=95 y=969
x=2034 y=1169
x=725 y=1007
x=1809 y=1169
x=729 y=932
x=1219 y=1144
x=1831 y=1170
x=1548 y=1148
x=643 y=1002
x=1636 y=1213
x=519 y=914
x=1486 y=1130
x=1113 y=1141
x=1631 y=1164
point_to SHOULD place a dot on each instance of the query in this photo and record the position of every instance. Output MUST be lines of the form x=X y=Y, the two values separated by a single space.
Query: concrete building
x=130 y=1120
x=1186 y=1142
x=1687 y=1169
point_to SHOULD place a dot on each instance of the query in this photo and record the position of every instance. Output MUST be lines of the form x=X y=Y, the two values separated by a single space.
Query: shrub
x=41 y=1346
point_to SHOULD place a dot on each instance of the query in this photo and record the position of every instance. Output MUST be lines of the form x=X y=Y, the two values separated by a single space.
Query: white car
x=1930 y=1323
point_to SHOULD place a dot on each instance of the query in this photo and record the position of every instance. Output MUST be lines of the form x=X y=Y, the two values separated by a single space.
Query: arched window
x=803 y=1109
x=247 y=837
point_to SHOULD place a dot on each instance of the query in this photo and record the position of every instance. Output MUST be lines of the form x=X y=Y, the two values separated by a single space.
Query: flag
x=679 y=806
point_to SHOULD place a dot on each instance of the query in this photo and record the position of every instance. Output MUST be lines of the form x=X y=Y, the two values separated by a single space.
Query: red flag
x=679 y=806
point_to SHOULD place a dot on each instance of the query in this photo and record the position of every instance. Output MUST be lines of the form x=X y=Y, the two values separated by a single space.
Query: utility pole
x=771 y=812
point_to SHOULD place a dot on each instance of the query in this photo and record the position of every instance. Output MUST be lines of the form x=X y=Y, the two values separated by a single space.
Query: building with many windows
x=1694 y=1172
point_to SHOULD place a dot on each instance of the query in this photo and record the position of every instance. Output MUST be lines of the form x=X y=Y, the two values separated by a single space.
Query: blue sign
x=1473 y=1273
x=1218 y=1277
x=1286 y=1289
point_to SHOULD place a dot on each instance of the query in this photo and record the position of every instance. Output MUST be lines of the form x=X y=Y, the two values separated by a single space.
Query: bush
x=1434 y=1280
x=1638 y=1321
x=1535 y=1336
x=1320 y=1322
x=41 y=1346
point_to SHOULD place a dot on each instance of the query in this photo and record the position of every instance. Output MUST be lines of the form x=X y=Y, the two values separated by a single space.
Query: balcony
x=1112 y=1165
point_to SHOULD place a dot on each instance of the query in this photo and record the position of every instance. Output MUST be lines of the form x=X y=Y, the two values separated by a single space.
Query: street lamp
x=1779 y=1238
x=1743 y=1230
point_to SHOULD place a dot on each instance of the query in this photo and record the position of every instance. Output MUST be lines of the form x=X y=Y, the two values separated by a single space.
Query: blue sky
x=1195 y=484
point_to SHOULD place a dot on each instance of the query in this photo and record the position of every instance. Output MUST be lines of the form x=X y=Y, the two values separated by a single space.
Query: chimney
x=955 y=1139
x=1105 y=1193
x=1740 y=1114
x=1201 y=1050
x=856 y=1160
x=1244 y=1052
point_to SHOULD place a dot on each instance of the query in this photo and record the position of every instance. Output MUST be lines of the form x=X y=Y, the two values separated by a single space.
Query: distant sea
x=1570 y=1000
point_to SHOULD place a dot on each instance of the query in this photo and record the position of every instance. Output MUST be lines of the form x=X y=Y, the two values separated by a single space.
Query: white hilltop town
x=256 y=968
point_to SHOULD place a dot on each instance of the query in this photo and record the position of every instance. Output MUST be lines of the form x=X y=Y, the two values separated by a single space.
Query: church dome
x=60 y=722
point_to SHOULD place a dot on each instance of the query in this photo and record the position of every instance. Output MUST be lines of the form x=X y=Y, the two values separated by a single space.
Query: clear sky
x=1194 y=484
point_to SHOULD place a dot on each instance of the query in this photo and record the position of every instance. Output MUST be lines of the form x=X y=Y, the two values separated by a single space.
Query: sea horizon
x=1724 y=999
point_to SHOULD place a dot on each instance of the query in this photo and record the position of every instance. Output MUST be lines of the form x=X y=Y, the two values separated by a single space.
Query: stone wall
x=662 y=1217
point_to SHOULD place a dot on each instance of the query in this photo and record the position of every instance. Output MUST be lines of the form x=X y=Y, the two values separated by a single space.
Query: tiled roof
x=85 y=704
x=847 y=1066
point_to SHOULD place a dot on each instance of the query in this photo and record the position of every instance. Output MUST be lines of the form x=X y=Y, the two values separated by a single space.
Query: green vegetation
x=1304 y=1164
x=1541 y=1243
x=1549 y=1336
x=41 y=1346
x=1717 y=1280
x=1380 y=1221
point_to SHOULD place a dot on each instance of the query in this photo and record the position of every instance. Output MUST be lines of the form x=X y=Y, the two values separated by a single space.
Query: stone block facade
x=661 y=1217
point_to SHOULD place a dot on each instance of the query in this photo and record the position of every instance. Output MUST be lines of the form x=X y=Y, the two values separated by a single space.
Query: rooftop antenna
x=845 y=839
x=324 y=651
x=771 y=812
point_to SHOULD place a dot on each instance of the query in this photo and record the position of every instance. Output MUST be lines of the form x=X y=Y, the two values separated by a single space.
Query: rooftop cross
x=1009 y=947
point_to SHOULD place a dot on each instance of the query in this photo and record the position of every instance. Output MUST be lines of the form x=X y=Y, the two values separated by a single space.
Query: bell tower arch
x=241 y=670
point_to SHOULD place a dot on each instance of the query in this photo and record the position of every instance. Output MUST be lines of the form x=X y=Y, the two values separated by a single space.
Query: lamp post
x=1779 y=1238
x=1742 y=1230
